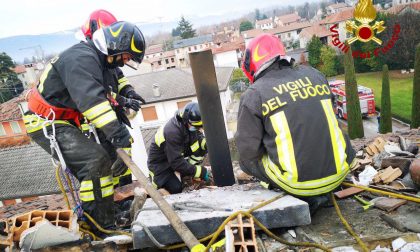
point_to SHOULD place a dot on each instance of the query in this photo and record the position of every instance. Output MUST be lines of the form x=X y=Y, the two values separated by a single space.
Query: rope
x=347 y=226
x=214 y=235
x=395 y=195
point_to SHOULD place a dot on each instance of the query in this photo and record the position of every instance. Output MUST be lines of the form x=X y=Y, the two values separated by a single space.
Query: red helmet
x=97 y=19
x=260 y=52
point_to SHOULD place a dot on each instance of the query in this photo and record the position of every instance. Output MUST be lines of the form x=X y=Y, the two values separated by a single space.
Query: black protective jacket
x=78 y=79
x=287 y=128
x=173 y=146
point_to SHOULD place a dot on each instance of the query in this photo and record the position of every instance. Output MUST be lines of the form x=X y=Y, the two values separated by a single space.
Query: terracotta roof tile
x=10 y=109
x=19 y=69
x=263 y=21
x=289 y=18
x=344 y=15
x=154 y=49
x=317 y=30
x=398 y=8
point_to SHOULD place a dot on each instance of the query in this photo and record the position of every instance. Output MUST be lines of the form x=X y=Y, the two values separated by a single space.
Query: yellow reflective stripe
x=127 y=150
x=122 y=82
x=194 y=147
x=43 y=77
x=86 y=185
x=128 y=172
x=152 y=175
x=203 y=144
x=105 y=181
x=107 y=191
x=115 y=180
x=199 y=123
x=307 y=188
x=284 y=142
x=104 y=119
x=85 y=127
x=34 y=123
x=87 y=196
x=159 y=137
x=197 y=171
x=337 y=139
x=133 y=46
x=197 y=157
x=114 y=95
x=97 y=110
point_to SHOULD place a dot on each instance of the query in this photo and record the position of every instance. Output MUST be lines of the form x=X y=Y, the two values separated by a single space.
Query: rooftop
x=398 y=8
x=192 y=41
x=289 y=18
x=337 y=6
x=344 y=15
x=154 y=49
x=281 y=29
x=174 y=83
x=317 y=30
x=10 y=110
x=263 y=21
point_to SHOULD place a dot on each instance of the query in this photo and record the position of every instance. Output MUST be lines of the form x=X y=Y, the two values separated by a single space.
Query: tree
x=176 y=32
x=354 y=115
x=257 y=14
x=245 y=26
x=385 y=124
x=314 y=51
x=10 y=85
x=185 y=28
x=415 y=109
x=328 y=64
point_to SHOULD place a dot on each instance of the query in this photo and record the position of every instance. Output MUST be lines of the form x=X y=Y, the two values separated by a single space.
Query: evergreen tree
x=415 y=109
x=257 y=14
x=385 y=124
x=314 y=51
x=185 y=28
x=245 y=26
x=328 y=64
x=354 y=115
x=10 y=85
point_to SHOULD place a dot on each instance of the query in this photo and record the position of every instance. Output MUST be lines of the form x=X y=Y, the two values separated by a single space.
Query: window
x=177 y=50
x=182 y=104
x=172 y=60
x=167 y=61
x=2 y=131
x=149 y=114
x=189 y=49
x=160 y=62
x=15 y=127
x=288 y=34
x=195 y=47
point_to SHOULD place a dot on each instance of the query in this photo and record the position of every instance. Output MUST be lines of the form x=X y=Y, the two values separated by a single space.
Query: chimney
x=156 y=90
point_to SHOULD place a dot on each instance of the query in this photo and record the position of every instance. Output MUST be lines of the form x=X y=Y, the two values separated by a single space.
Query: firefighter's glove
x=202 y=172
x=133 y=95
x=128 y=103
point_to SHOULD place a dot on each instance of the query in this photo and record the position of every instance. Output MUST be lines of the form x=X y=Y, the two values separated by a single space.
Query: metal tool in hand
x=92 y=130
x=365 y=204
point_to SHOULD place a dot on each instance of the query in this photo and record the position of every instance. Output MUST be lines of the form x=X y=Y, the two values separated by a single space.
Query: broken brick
x=388 y=175
x=348 y=192
x=389 y=204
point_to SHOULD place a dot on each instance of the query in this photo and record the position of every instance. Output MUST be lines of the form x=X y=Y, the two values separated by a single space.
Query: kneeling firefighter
x=179 y=146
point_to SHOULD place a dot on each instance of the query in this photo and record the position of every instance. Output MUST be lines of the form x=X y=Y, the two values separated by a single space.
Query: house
x=335 y=8
x=289 y=34
x=401 y=8
x=228 y=54
x=153 y=51
x=28 y=73
x=185 y=46
x=144 y=67
x=165 y=93
x=340 y=19
x=12 y=127
x=264 y=24
x=397 y=2
x=351 y=3
x=287 y=19
x=315 y=30
x=166 y=60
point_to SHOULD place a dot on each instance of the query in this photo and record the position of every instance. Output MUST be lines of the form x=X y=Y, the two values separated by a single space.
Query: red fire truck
x=366 y=97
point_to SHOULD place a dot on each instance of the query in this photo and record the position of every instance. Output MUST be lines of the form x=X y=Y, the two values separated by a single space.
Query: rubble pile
x=389 y=162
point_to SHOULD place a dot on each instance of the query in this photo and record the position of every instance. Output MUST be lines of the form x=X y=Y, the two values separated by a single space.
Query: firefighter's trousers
x=91 y=165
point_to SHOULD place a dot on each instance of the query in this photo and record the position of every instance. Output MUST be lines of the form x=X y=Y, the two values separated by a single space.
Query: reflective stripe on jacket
x=286 y=120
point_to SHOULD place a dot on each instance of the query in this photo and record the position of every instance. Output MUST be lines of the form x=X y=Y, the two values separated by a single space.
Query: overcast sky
x=19 y=17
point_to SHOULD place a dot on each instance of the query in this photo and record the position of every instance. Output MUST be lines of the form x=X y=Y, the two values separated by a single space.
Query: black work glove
x=128 y=103
x=133 y=95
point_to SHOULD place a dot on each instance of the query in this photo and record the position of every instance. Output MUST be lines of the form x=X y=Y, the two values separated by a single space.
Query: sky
x=31 y=17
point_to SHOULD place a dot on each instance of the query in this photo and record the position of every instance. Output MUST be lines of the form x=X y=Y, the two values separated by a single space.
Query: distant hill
x=54 y=43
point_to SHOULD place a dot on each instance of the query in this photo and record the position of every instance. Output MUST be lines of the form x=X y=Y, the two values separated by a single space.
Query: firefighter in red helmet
x=288 y=136
x=73 y=86
x=118 y=87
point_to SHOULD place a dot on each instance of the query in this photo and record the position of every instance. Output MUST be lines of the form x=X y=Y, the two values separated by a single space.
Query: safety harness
x=38 y=105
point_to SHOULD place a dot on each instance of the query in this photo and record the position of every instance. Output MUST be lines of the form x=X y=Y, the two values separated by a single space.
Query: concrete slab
x=220 y=203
